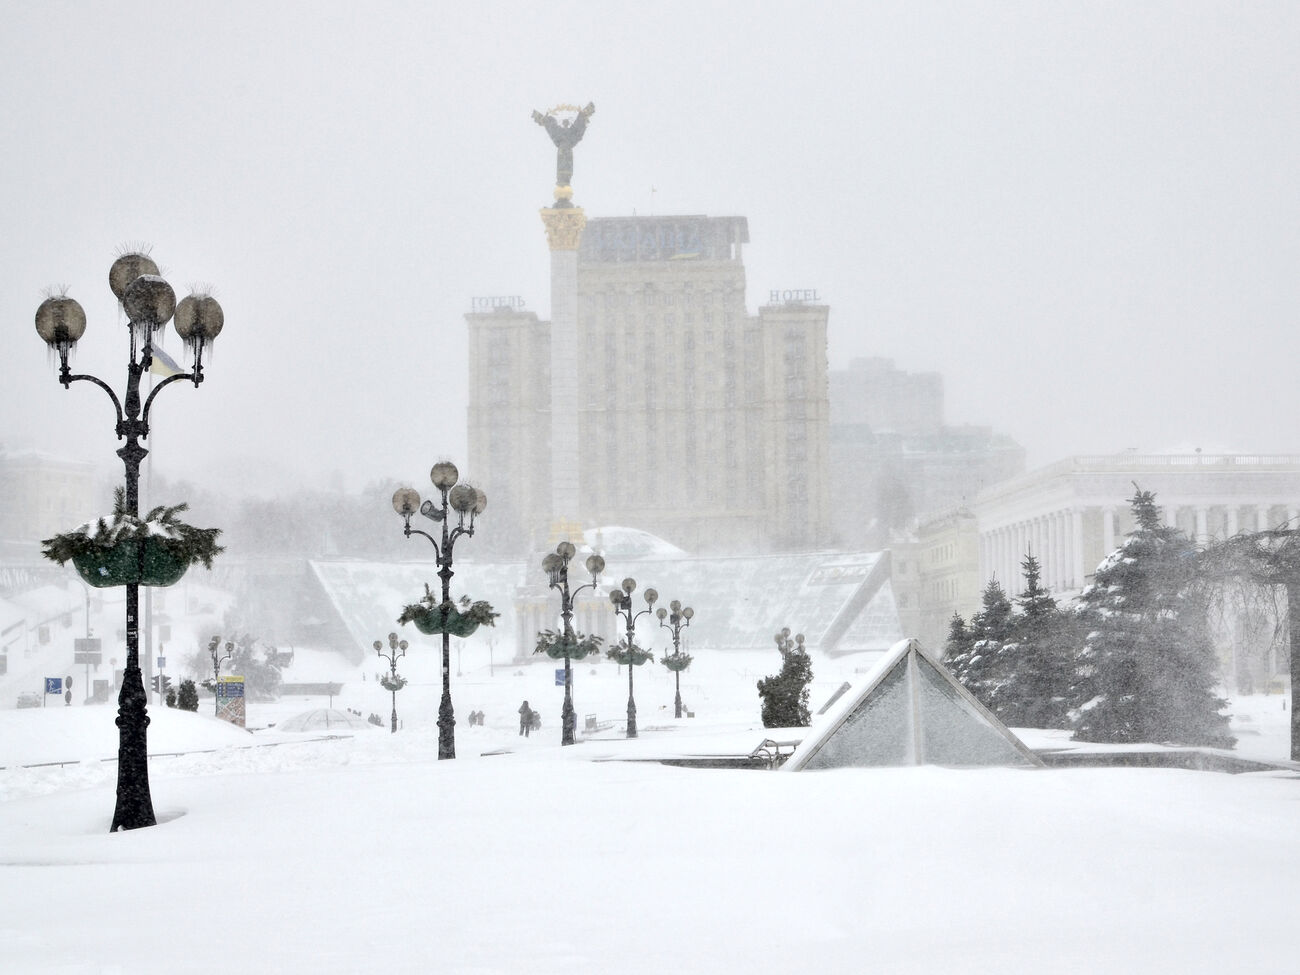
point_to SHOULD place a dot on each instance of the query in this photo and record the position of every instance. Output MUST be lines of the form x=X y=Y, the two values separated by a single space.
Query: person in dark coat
x=525 y=719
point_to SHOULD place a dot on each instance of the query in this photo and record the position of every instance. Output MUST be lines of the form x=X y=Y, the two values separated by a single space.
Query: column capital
x=564 y=227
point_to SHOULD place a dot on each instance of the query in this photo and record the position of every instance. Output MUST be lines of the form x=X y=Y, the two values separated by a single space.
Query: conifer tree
x=785 y=694
x=187 y=699
x=1147 y=665
x=989 y=629
x=957 y=648
x=1033 y=667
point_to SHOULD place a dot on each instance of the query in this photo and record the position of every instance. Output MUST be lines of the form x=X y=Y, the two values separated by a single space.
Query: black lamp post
x=677 y=661
x=393 y=683
x=149 y=303
x=557 y=568
x=622 y=600
x=217 y=661
x=465 y=501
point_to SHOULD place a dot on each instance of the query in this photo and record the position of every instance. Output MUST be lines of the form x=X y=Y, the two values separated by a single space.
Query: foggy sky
x=1083 y=215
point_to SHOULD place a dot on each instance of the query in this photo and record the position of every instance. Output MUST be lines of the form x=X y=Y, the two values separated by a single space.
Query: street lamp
x=676 y=661
x=149 y=303
x=557 y=568
x=631 y=654
x=465 y=501
x=217 y=661
x=392 y=683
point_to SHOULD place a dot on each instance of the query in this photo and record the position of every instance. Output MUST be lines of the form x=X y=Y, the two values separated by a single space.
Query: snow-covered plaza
x=281 y=852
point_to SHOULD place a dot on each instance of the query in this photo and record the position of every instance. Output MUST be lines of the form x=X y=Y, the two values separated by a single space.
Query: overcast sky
x=1085 y=216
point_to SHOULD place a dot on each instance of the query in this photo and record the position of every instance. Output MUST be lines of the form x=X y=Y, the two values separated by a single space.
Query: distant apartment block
x=894 y=460
x=696 y=421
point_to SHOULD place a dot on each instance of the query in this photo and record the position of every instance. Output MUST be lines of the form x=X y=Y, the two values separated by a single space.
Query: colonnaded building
x=653 y=399
x=1071 y=515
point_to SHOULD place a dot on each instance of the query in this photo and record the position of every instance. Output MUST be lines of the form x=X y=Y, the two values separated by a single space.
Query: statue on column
x=566 y=132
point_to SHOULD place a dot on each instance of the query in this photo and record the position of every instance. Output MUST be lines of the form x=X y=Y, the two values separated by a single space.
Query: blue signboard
x=559 y=678
x=54 y=685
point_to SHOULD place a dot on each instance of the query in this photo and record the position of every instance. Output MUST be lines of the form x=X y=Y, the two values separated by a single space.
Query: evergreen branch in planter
x=628 y=656
x=553 y=645
x=478 y=611
x=676 y=662
x=392 y=682
x=182 y=541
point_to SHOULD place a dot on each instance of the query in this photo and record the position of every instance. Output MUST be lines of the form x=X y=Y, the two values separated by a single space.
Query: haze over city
x=1083 y=216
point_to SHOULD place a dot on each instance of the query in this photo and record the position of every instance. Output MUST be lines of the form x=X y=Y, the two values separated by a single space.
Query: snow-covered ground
x=279 y=853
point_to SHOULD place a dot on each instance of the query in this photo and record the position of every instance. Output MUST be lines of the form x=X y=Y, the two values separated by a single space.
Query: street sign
x=230 y=699
x=54 y=685
x=86 y=650
x=559 y=677
x=162 y=662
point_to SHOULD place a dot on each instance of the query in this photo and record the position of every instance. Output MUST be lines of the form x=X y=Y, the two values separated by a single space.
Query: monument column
x=564 y=227
x=564 y=223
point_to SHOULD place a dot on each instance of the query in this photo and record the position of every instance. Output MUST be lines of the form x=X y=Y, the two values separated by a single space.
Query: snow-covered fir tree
x=784 y=695
x=975 y=664
x=187 y=698
x=957 y=647
x=1147 y=668
x=1032 y=669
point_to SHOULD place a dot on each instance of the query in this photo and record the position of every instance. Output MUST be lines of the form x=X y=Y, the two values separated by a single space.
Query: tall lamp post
x=677 y=661
x=557 y=568
x=466 y=502
x=149 y=303
x=393 y=683
x=217 y=661
x=622 y=600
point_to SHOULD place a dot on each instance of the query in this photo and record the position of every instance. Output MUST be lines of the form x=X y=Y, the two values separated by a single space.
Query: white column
x=1231 y=527
x=1171 y=515
x=1022 y=540
x=1261 y=518
x=1202 y=524
x=1077 y=569
x=1059 y=526
x=1291 y=514
x=1108 y=530
x=1043 y=547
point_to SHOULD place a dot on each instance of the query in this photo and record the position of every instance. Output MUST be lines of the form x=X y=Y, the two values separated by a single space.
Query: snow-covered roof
x=324 y=719
x=841 y=602
x=616 y=541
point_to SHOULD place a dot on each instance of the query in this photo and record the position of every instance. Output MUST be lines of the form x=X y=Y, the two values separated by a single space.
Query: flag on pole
x=163 y=364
